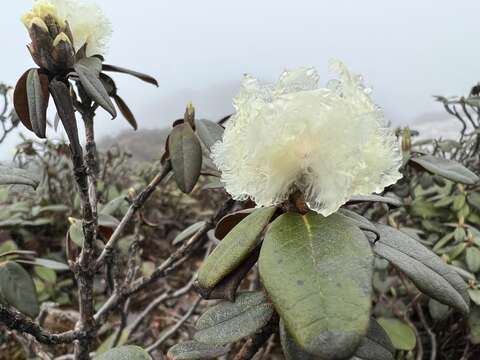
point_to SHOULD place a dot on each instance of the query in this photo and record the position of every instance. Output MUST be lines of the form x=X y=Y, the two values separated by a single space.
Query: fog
x=198 y=50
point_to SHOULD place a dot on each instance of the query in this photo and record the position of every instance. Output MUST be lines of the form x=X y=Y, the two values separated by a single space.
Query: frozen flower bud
x=61 y=28
x=329 y=143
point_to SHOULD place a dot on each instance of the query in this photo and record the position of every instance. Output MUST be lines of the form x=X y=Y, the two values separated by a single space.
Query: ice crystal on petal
x=330 y=143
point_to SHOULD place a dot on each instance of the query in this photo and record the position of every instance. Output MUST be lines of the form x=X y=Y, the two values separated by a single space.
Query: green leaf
x=318 y=273
x=426 y=209
x=458 y=202
x=402 y=335
x=76 y=232
x=93 y=63
x=47 y=275
x=448 y=169
x=16 y=176
x=209 y=132
x=374 y=198
x=376 y=345
x=473 y=259
x=186 y=156
x=457 y=250
x=474 y=325
x=113 y=206
x=53 y=208
x=291 y=350
x=108 y=221
x=129 y=352
x=474 y=295
x=473 y=199
x=17 y=288
x=234 y=248
x=437 y=310
x=94 y=87
x=231 y=321
x=188 y=232
x=360 y=221
x=459 y=234
x=107 y=344
x=429 y=273
x=38 y=95
x=47 y=263
x=195 y=350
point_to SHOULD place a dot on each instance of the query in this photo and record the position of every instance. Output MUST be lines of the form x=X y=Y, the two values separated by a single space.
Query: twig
x=170 y=264
x=14 y=320
x=174 y=329
x=433 y=339
x=159 y=300
x=136 y=204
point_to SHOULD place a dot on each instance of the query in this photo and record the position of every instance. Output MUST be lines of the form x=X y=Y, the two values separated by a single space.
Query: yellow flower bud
x=37 y=21
x=406 y=140
x=61 y=37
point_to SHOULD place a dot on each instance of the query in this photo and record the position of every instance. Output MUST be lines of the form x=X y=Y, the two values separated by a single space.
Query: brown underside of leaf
x=126 y=112
x=20 y=100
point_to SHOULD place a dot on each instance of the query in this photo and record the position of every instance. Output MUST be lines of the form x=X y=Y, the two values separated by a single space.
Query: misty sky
x=198 y=50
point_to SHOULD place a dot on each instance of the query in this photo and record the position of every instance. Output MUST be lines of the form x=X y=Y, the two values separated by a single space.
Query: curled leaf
x=38 y=95
x=20 y=101
x=147 y=78
x=126 y=112
x=94 y=87
x=427 y=271
x=449 y=169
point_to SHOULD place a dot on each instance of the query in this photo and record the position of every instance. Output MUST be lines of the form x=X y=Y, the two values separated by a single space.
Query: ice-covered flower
x=329 y=143
x=71 y=20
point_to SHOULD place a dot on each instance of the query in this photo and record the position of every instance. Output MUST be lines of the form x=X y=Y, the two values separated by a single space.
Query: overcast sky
x=198 y=50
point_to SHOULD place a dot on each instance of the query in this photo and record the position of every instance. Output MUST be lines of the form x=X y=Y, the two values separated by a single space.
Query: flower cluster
x=61 y=28
x=329 y=143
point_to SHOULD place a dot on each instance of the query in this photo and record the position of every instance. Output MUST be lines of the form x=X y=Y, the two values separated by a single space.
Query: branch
x=136 y=204
x=84 y=266
x=14 y=320
x=159 y=300
x=174 y=329
x=167 y=266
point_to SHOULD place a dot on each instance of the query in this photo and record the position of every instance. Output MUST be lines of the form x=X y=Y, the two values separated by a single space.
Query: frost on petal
x=330 y=143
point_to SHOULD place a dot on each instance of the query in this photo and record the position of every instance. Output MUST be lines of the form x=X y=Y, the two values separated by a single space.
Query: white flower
x=330 y=143
x=87 y=22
